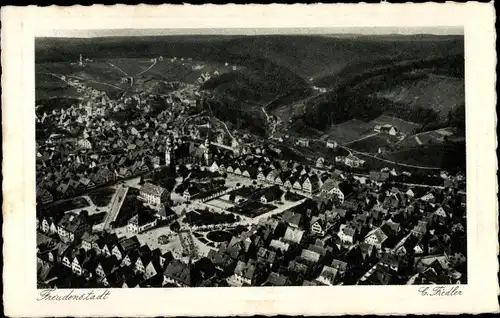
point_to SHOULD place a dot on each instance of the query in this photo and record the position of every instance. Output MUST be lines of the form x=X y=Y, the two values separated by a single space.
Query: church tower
x=169 y=152
x=207 y=155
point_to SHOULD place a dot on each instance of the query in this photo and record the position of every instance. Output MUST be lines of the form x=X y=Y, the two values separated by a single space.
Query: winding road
x=150 y=67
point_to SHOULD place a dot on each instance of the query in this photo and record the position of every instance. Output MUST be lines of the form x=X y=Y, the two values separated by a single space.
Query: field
x=373 y=143
x=48 y=86
x=349 y=131
x=445 y=156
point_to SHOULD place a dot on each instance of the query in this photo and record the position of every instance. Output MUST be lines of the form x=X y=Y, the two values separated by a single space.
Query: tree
x=175 y=226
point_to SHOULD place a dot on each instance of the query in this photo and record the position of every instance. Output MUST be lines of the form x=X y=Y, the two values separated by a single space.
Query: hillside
x=423 y=91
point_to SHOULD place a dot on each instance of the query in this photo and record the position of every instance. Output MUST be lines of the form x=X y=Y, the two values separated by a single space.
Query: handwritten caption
x=440 y=291
x=61 y=295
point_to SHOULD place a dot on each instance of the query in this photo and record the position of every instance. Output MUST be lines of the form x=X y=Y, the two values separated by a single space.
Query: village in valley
x=140 y=185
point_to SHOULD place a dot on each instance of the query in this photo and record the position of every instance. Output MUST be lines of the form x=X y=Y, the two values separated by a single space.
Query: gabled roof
x=379 y=235
x=152 y=189
x=246 y=270
x=276 y=279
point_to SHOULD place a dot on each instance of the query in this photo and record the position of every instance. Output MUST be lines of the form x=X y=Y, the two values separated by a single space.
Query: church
x=182 y=151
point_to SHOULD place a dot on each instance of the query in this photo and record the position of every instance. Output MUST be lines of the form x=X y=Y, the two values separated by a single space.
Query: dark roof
x=71 y=222
x=276 y=279
x=178 y=271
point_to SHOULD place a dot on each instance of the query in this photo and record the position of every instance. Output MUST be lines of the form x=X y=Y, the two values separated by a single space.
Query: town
x=133 y=193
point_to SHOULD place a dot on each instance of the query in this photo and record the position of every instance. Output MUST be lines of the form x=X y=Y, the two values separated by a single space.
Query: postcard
x=249 y=160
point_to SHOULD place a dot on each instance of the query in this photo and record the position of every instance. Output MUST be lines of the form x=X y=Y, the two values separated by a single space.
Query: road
x=362 y=138
x=115 y=206
x=144 y=71
x=93 y=81
x=225 y=127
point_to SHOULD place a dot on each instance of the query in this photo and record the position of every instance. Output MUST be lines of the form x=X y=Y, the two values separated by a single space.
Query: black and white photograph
x=216 y=160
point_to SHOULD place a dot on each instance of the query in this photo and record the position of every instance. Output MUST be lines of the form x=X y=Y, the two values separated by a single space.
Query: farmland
x=446 y=156
x=349 y=131
x=373 y=143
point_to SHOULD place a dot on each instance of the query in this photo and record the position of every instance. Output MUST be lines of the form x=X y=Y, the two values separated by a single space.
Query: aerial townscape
x=217 y=161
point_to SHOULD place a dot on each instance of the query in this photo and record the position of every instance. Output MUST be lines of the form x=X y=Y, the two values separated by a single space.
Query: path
x=122 y=71
x=418 y=140
x=362 y=138
x=116 y=205
x=93 y=81
x=150 y=67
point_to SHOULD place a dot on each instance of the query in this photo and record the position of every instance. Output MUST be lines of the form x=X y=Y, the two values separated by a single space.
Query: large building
x=154 y=195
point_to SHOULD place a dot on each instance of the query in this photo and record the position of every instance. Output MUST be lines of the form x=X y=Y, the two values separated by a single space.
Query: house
x=191 y=192
x=276 y=279
x=76 y=264
x=266 y=256
x=43 y=196
x=388 y=129
x=291 y=218
x=420 y=229
x=279 y=245
x=72 y=226
x=250 y=172
x=221 y=261
x=353 y=161
x=379 y=176
x=346 y=234
x=310 y=184
x=320 y=163
x=178 y=273
x=141 y=222
x=124 y=246
x=390 y=261
x=331 y=144
x=272 y=175
x=331 y=186
x=293 y=235
x=376 y=237
x=297 y=267
x=88 y=240
x=243 y=274
x=327 y=276
x=340 y=266
x=310 y=256
x=154 y=195
x=318 y=225
x=304 y=142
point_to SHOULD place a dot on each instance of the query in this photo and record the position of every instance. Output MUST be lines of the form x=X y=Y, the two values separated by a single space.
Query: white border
x=21 y=24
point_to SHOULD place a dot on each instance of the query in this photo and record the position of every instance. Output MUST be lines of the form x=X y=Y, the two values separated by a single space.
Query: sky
x=90 y=33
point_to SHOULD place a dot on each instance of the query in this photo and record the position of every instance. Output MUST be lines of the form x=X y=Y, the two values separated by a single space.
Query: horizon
x=346 y=31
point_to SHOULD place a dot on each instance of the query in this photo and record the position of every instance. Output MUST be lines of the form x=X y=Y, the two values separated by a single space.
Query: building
x=353 y=161
x=169 y=152
x=376 y=237
x=141 y=222
x=331 y=186
x=154 y=195
x=331 y=144
x=72 y=226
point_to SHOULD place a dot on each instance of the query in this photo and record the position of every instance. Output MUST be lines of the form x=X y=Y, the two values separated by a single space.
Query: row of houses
x=108 y=261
